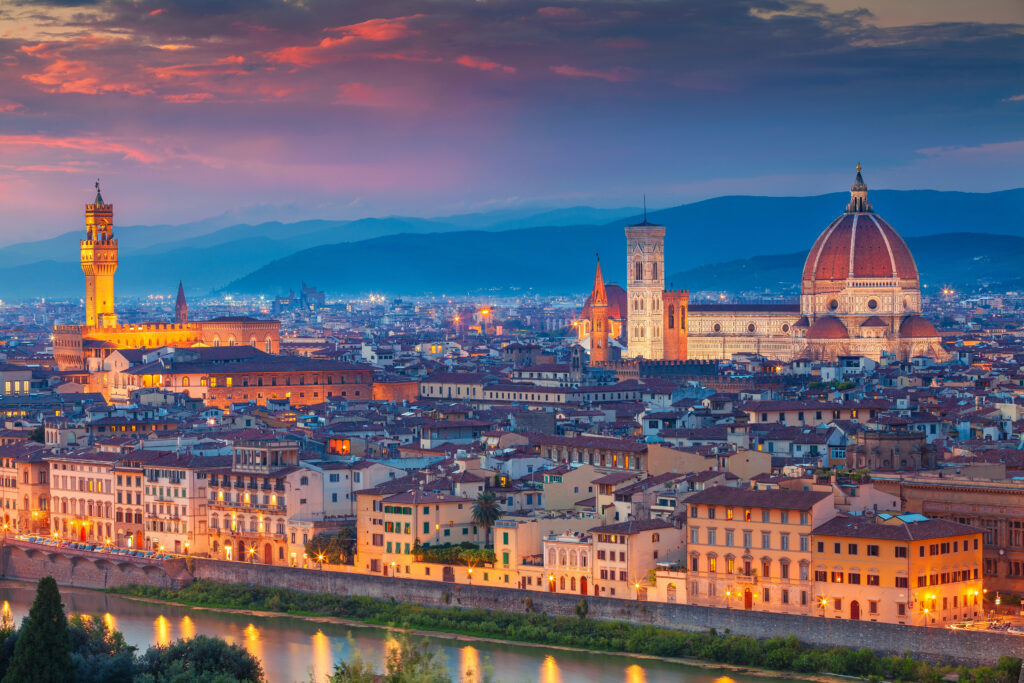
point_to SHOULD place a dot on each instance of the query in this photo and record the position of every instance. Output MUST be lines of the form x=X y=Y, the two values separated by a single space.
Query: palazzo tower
x=645 y=278
x=99 y=262
x=599 y=319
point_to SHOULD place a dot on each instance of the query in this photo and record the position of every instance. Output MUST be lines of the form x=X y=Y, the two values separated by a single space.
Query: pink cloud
x=188 y=97
x=1014 y=98
x=379 y=29
x=615 y=75
x=8 y=107
x=96 y=145
x=560 y=12
x=65 y=75
x=372 y=30
x=157 y=11
x=483 y=64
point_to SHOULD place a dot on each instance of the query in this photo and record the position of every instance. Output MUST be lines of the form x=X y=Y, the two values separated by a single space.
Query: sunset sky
x=292 y=109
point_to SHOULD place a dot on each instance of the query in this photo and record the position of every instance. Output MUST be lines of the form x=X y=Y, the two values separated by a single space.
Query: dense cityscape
x=476 y=341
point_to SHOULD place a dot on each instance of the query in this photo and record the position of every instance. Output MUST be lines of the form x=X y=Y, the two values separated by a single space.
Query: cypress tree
x=43 y=652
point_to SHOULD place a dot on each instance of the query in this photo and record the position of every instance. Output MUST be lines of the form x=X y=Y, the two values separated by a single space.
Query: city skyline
x=291 y=111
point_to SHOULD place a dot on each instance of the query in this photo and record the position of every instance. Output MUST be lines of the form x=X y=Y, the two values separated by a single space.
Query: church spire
x=181 y=306
x=599 y=296
x=858 y=195
x=99 y=197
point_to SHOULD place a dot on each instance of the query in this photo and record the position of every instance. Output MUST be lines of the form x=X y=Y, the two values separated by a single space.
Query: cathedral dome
x=914 y=326
x=829 y=327
x=859 y=244
x=617 y=306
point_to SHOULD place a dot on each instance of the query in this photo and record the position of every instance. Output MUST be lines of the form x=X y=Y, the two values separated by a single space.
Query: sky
x=295 y=109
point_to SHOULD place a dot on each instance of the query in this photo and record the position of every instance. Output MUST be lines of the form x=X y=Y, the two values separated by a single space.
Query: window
x=820 y=575
x=902 y=582
x=851 y=548
x=873 y=551
x=901 y=551
x=873 y=579
x=766 y=539
x=853 y=578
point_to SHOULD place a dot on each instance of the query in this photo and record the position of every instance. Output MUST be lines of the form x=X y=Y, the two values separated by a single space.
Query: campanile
x=645 y=278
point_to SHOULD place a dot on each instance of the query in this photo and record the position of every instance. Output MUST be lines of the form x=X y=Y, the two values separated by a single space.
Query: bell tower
x=598 y=319
x=181 y=306
x=645 y=277
x=99 y=261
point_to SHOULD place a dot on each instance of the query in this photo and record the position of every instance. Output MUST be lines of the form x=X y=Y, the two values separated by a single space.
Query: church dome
x=914 y=326
x=859 y=244
x=617 y=306
x=829 y=327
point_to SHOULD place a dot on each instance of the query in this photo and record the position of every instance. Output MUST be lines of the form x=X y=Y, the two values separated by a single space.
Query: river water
x=296 y=649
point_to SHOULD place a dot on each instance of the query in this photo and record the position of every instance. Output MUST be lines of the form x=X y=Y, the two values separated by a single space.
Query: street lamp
x=186 y=547
x=320 y=559
x=252 y=554
x=822 y=603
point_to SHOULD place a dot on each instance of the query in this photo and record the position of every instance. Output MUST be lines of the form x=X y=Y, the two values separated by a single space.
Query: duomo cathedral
x=860 y=294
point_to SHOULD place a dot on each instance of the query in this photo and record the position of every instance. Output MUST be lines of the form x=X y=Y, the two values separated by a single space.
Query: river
x=296 y=649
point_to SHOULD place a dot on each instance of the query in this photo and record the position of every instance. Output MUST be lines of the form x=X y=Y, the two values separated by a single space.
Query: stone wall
x=933 y=644
x=83 y=569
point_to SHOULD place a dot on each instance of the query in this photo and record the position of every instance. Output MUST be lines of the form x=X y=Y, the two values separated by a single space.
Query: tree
x=486 y=511
x=200 y=659
x=336 y=548
x=43 y=651
x=405 y=663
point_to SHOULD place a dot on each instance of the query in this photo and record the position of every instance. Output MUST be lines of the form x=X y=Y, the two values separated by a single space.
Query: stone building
x=860 y=295
x=75 y=345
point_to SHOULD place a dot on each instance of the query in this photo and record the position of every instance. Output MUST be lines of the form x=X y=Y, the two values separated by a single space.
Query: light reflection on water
x=294 y=649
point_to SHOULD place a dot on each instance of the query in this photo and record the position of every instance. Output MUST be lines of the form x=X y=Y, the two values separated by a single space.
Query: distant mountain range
x=723 y=243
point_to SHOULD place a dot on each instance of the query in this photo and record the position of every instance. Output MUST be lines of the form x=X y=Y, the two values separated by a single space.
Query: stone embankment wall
x=83 y=569
x=30 y=562
x=972 y=648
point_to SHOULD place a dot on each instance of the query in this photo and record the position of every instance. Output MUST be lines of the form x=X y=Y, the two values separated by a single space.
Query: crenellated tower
x=99 y=262
x=599 y=319
x=645 y=277
x=676 y=304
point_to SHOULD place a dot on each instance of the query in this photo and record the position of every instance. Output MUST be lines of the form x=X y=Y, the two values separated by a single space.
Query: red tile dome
x=617 y=303
x=859 y=244
x=914 y=326
x=829 y=327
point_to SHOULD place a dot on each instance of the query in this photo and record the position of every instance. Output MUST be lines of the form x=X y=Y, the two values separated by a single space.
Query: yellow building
x=84 y=347
x=751 y=549
x=899 y=569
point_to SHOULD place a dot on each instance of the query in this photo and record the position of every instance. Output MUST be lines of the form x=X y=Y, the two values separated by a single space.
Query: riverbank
x=461 y=637
x=779 y=656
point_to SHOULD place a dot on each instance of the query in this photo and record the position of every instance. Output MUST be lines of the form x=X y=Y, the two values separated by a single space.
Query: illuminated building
x=75 y=346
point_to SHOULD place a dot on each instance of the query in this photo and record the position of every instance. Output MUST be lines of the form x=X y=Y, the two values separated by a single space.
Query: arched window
x=671 y=317
x=654 y=270
x=252 y=342
x=216 y=341
x=561 y=583
x=184 y=381
x=572 y=583
x=267 y=345
x=561 y=558
x=572 y=558
x=551 y=557
x=639 y=267
x=583 y=559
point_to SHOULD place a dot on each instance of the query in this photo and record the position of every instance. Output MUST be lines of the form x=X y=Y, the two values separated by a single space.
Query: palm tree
x=486 y=511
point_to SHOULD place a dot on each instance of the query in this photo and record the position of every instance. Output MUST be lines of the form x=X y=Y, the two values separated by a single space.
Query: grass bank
x=778 y=654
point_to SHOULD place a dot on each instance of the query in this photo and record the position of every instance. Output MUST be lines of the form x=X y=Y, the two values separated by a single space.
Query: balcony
x=746 y=578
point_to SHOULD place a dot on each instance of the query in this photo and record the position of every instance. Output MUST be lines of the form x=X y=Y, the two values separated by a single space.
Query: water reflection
x=162 y=631
x=636 y=674
x=252 y=642
x=292 y=648
x=549 y=672
x=188 y=628
x=323 y=662
x=469 y=664
x=109 y=620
